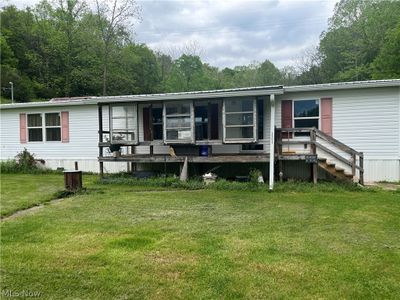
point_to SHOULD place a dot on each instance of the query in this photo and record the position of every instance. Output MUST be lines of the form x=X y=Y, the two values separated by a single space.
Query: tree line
x=68 y=49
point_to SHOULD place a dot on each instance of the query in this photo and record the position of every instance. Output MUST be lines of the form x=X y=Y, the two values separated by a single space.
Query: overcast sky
x=232 y=32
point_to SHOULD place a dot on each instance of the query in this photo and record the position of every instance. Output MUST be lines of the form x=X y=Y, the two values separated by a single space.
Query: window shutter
x=326 y=115
x=147 y=124
x=287 y=115
x=22 y=129
x=65 y=127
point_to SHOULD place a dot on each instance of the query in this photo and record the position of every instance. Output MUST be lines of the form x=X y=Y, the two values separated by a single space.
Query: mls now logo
x=21 y=293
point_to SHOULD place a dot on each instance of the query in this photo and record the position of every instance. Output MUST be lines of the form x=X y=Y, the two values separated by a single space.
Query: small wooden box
x=73 y=180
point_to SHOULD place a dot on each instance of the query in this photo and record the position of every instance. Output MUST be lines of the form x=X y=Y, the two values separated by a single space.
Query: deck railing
x=314 y=137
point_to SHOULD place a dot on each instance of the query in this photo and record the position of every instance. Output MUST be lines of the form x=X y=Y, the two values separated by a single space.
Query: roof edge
x=239 y=92
x=343 y=85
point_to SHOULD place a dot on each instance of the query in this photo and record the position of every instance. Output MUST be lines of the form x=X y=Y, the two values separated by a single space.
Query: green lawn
x=19 y=191
x=122 y=242
x=25 y=190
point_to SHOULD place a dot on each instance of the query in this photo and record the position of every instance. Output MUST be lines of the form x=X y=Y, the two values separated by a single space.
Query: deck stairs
x=322 y=151
x=336 y=171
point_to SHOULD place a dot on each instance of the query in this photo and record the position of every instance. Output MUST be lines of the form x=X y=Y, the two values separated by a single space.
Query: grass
x=124 y=241
x=20 y=191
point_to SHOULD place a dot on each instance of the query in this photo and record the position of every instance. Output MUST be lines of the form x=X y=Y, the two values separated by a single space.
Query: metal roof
x=237 y=92
x=343 y=85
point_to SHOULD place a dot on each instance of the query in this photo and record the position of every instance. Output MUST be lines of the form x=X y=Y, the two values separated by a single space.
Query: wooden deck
x=256 y=158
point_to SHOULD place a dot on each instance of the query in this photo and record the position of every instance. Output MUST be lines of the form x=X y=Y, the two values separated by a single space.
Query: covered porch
x=229 y=126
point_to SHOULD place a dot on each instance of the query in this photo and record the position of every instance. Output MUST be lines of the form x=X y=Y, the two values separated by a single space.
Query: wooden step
x=340 y=170
x=330 y=164
x=337 y=172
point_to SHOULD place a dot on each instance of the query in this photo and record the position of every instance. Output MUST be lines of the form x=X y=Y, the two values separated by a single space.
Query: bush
x=9 y=166
x=24 y=162
x=254 y=175
x=294 y=186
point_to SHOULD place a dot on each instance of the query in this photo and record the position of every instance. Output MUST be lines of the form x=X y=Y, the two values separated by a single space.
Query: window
x=53 y=127
x=49 y=130
x=156 y=112
x=306 y=113
x=123 y=123
x=35 y=128
x=240 y=120
x=260 y=118
x=201 y=121
x=178 y=122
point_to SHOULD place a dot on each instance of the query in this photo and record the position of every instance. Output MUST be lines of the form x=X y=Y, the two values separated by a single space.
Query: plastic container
x=203 y=150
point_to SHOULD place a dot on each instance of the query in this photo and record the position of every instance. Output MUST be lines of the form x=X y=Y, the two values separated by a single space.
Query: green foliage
x=66 y=48
x=387 y=63
x=24 y=162
x=173 y=182
x=354 y=47
x=254 y=175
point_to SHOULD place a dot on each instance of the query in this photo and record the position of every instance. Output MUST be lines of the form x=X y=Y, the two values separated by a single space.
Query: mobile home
x=345 y=130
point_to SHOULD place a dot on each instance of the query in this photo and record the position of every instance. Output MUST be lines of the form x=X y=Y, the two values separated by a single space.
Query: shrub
x=292 y=186
x=254 y=175
x=26 y=161
x=9 y=166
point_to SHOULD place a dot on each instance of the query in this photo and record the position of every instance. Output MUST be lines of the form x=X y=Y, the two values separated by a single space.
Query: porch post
x=272 y=143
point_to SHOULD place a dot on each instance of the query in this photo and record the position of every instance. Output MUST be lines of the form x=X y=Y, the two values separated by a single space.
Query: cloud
x=232 y=32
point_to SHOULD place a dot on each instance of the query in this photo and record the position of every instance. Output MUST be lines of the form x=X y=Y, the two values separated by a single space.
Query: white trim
x=134 y=115
x=190 y=114
x=272 y=144
x=307 y=118
x=254 y=125
x=212 y=94
x=43 y=127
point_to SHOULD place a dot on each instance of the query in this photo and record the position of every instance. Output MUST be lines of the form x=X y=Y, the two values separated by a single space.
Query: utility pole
x=12 y=91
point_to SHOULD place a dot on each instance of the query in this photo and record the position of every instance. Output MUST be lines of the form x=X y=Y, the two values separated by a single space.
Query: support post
x=100 y=116
x=362 y=168
x=314 y=170
x=272 y=143
x=353 y=164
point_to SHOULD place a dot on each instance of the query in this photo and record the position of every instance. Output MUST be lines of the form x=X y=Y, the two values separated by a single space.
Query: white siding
x=83 y=136
x=367 y=120
x=82 y=146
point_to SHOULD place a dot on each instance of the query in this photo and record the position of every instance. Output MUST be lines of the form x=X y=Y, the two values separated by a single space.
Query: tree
x=112 y=19
x=67 y=16
x=268 y=74
x=354 y=38
x=186 y=74
x=387 y=63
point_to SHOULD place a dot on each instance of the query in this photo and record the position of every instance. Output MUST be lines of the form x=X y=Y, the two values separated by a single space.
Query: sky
x=228 y=33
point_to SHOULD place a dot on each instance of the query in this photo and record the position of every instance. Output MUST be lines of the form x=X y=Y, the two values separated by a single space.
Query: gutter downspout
x=272 y=143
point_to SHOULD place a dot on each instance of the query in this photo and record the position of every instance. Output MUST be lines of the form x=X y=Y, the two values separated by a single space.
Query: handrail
x=314 y=133
x=336 y=142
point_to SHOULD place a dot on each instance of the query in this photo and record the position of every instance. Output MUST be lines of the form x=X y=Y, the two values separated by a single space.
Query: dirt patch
x=30 y=210
x=384 y=185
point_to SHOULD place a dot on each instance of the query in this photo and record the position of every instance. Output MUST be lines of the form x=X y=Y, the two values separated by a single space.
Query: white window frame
x=45 y=126
x=135 y=131
x=224 y=126
x=307 y=118
x=34 y=127
x=192 y=124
